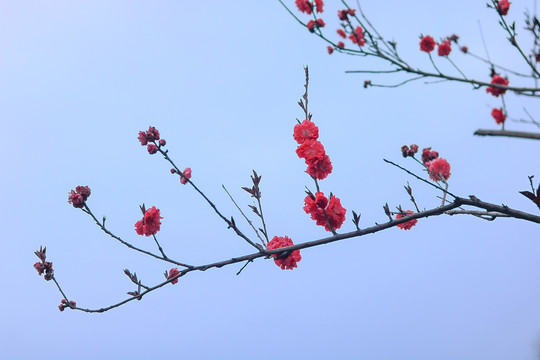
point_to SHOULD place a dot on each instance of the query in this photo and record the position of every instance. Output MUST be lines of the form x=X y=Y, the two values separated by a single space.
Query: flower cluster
x=64 y=304
x=172 y=273
x=311 y=150
x=503 y=6
x=150 y=223
x=307 y=7
x=357 y=36
x=406 y=225
x=78 y=196
x=327 y=213
x=43 y=266
x=498 y=115
x=344 y=14
x=311 y=25
x=498 y=80
x=427 y=44
x=406 y=151
x=148 y=138
x=438 y=168
x=284 y=261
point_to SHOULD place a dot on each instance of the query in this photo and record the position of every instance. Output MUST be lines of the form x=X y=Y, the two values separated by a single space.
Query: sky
x=221 y=81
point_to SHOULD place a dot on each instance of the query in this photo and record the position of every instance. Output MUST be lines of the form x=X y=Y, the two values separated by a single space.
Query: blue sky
x=220 y=81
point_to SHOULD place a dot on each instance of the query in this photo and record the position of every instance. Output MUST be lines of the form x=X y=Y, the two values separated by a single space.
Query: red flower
x=152 y=149
x=444 y=48
x=172 y=273
x=464 y=49
x=498 y=115
x=285 y=263
x=78 y=196
x=503 y=6
x=334 y=210
x=187 y=174
x=330 y=49
x=142 y=138
x=351 y=12
x=341 y=44
x=320 y=5
x=439 y=169
x=343 y=15
x=427 y=44
x=406 y=225
x=162 y=142
x=428 y=155
x=319 y=167
x=150 y=223
x=499 y=80
x=305 y=131
x=341 y=33
x=304 y=6
x=320 y=23
x=310 y=149
x=149 y=136
x=311 y=25
x=405 y=151
x=357 y=37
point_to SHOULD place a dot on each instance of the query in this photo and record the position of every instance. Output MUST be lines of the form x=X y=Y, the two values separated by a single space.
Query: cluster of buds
x=406 y=151
x=79 y=196
x=44 y=266
x=151 y=140
x=64 y=304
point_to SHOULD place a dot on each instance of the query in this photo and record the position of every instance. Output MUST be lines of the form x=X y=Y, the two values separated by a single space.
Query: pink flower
x=320 y=5
x=172 y=273
x=149 y=136
x=150 y=223
x=330 y=49
x=187 y=174
x=304 y=6
x=357 y=37
x=152 y=149
x=341 y=45
x=498 y=115
x=142 y=138
x=311 y=25
x=406 y=225
x=341 y=33
x=405 y=151
x=78 y=196
x=305 y=131
x=162 y=142
x=444 y=48
x=427 y=44
x=499 y=80
x=428 y=155
x=439 y=169
x=285 y=263
x=503 y=6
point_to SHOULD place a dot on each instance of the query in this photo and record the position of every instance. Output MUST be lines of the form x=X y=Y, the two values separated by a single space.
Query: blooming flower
x=406 y=225
x=285 y=263
x=187 y=174
x=148 y=136
x=320 y=5
x=439 y=169
x=343 y=15
x=498 y=115
x=172 y=273
x=428 y=155
x=307 y=130
x=320 y=167
x=152 y=149
x=427 y=44
x=444 y=48
x=78 y=196
x=304 y=6
x=503 y=6
x=335 y=212
x=357 y=37
x=150 y=223
x=499 y=80
x=341 y=33
x=310 y=149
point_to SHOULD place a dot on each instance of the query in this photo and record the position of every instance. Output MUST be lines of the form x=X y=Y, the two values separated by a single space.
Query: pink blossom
x=187 y=174
x=285 y=263
x=439 y=169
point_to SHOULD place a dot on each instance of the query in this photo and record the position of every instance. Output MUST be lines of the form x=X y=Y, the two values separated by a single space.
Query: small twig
x=508 y=133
